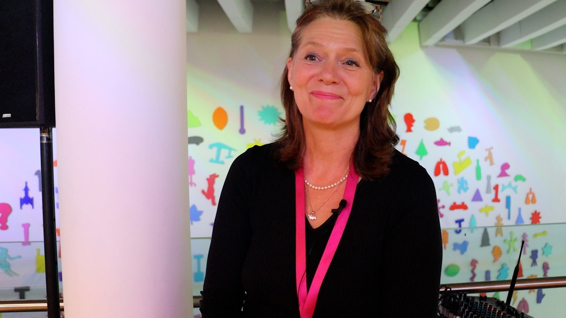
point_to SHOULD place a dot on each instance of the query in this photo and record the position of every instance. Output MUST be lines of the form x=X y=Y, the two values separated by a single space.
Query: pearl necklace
x=328 y=186
x=312 y=214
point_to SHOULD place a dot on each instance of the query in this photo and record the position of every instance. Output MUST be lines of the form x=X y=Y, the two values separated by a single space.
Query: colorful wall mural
x=489 y=142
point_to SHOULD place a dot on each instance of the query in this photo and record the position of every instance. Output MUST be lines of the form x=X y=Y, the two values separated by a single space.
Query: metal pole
x=49 y=235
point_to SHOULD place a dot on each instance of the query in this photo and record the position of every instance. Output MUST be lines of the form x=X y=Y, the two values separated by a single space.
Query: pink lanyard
x=307 y=300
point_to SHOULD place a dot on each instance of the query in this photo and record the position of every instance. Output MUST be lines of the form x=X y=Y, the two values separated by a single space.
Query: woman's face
x=330 y=76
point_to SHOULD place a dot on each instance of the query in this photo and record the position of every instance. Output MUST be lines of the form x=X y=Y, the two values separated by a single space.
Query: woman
x=330 y=220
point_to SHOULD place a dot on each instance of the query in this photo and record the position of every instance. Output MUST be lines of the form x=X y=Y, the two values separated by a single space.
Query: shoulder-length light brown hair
x=375 y=147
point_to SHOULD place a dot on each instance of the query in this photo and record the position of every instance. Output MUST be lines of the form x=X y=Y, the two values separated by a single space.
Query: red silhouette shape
x=456 y=206
x=441 y=166
x=409 y=121
x=535 y=218
x=209 y=193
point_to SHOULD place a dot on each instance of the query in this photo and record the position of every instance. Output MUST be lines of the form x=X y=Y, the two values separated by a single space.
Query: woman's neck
x=328 y=150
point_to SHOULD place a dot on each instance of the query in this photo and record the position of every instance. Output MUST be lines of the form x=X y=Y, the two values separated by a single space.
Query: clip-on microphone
x=341 y=206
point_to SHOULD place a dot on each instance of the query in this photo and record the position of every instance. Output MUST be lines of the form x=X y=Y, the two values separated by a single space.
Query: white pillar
x=120 y=81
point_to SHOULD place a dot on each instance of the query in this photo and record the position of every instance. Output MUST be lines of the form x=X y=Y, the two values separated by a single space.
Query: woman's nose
x=329 y=73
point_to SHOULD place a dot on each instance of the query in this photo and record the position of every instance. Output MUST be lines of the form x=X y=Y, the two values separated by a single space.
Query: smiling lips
x=325 y=95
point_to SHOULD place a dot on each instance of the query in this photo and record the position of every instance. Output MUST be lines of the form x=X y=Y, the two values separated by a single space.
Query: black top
x=316 y=240
x=387 y=263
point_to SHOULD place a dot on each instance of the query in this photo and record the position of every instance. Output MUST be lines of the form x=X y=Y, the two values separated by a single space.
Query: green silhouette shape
x=478 y=170
x=511 y=242
x=421 y=151
x=520 y=177
x=452 y=270
x=192 y=120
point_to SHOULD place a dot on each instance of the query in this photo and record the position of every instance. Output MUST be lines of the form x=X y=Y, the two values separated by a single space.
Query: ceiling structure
x=512 y=25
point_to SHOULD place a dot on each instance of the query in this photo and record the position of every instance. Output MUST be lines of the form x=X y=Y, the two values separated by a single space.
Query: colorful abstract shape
x=452 y=270
x=26 y=199
x=421 y=150
x=5 y=211
x=473 y=142
x=192 y=120
x=4 y=264
x=431 y=124
x=195 y=214
x=269 y=115
x=409 y=122
x=220 y=118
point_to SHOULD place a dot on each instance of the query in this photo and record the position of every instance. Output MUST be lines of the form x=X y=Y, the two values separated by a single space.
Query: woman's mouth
x=325 y=95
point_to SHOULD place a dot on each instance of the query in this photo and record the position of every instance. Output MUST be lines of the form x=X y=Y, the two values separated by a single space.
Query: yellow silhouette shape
x=487 y=209
x=256 y=142
x=431 y=123
x=544 y=233
x=39 y=262
x=460 y=165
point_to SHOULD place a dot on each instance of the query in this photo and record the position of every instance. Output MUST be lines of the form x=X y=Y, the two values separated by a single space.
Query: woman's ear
x=377 y=78
x=290 y=70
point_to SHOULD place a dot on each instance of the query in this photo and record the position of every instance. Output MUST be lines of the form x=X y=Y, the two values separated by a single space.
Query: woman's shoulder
x=257 y=156
x=258 y=152
x=405 y=167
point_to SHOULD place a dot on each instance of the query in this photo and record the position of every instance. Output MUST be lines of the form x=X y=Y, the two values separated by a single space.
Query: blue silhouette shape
x=503 y=272
x=540 y=296
x=219 y=147
x=462 y=247
x=195 y=214
x=462 y=185
x=4 y=265
x=534 y=257
x=199 y=275
x=520 y=218
x=26 y=199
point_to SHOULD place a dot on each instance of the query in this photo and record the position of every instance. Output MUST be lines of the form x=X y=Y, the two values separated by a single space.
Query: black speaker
x=27 y=88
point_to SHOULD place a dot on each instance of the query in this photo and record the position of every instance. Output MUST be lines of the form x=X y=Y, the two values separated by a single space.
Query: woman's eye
x=310 y=57
x=351 y=63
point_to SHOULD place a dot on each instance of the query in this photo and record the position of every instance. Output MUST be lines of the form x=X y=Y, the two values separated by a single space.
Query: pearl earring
x=369 y=101
x=290 y=87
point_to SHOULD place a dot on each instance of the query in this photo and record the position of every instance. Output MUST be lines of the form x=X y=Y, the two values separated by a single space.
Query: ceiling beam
x=398 y=14
x=240 y=12
x=497 y=16
x=550 y=39
x=293 y=9
x=445 y=17
x=537 y=24
x=191 y=23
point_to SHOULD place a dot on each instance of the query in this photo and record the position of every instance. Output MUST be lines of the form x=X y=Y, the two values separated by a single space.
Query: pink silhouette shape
x=191 y=171
x=504 y=168
x=26 y=234
x=5 y=211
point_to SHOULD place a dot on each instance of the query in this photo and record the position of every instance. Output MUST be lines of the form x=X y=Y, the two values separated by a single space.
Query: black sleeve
x=223 y=292
x=414 y=250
